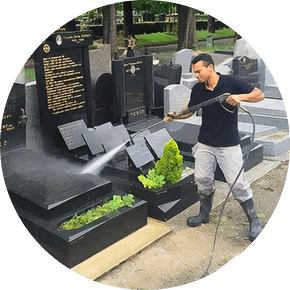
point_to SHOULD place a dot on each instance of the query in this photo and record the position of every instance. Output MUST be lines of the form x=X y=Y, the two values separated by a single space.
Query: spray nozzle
x=171 y=114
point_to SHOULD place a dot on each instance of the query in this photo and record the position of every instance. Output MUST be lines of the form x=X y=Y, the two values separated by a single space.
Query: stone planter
x=45 y=194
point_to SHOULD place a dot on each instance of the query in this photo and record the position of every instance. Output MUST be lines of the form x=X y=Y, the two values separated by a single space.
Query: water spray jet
x=97 y=164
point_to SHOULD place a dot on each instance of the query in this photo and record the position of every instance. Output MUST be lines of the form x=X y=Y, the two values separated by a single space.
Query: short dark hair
x=204 y=57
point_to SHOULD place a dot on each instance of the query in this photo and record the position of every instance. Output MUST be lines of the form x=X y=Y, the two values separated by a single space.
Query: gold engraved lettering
x=64 y=84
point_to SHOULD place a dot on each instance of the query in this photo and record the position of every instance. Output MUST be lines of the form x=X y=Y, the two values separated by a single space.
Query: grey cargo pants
x=230 y=160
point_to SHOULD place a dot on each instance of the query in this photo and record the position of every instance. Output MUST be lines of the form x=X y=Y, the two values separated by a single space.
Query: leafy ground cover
x=78 y=221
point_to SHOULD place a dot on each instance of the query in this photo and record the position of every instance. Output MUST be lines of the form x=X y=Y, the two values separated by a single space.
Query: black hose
x=230 y=190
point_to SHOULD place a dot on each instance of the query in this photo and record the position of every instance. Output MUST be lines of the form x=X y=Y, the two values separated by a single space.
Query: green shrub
x=171 y=163
x=167 y=170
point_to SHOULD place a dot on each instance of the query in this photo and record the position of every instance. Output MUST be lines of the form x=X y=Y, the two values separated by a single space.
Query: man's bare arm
x=173 y=116
x=256 y=95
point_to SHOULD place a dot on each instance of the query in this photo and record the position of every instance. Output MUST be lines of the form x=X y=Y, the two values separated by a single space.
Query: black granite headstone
x=50 y=190
x=104 y=98
x=47 y=182
x=112 y=137
x=164 y=75
x=93 y=142
x=159 y=85
x=247 y=69
x=136 y=114
x=101 y=129
x=13 y=127
x=63 y=83
x=133 y=85
x=243 y=66
x=139 y=137
x=157 y=140
x=139 y=154
x=72 y=134
x=170 y=72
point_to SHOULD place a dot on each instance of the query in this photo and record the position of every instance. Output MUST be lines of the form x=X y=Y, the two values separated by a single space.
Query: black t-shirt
x=219 y=127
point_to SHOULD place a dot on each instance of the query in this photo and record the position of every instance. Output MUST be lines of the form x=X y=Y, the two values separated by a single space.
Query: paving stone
x=276 y=143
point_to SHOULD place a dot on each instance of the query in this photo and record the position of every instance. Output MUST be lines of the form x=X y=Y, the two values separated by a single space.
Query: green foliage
x=168 y=169
x=128 y=199
x=78 y=221
x=170 y=36
x=153 y=38
x=171 y=163
x=224 y=32
x=152 y=180
x=155 y=7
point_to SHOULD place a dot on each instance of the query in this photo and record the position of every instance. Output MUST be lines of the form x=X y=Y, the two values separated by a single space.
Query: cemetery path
x=182 y=256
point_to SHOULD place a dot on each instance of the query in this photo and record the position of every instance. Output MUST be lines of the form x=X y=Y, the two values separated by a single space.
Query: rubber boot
x=255 y=225
x=205 y=208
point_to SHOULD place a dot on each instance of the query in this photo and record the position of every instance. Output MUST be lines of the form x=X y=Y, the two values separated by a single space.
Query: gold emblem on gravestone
x=46 y=48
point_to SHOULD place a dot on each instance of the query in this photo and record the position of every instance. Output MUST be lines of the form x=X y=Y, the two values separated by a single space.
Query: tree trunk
x=186 y=27
x=211 y=24
x=128 y=18
x=110 y=28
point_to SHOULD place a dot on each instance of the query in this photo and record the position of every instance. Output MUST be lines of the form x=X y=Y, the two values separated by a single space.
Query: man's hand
x=233 y=100
x=256 y=95
x=169 y=118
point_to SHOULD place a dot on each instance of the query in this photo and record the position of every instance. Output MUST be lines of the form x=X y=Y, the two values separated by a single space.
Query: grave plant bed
x=168 y=201
x=164 y=194
x=98 y=211
x=163 y=202
x=164 y=182
x=43 y=204
x=71 y=247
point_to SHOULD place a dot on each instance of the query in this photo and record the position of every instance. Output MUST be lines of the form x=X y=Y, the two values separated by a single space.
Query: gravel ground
x=183 y=256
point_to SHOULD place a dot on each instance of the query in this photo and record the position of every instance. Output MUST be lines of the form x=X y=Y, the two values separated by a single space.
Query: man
x=218 y=140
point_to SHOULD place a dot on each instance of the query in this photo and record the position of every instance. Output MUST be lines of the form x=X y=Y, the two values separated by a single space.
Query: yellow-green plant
x=167 y=170
x=152 y=180
x=171 y=163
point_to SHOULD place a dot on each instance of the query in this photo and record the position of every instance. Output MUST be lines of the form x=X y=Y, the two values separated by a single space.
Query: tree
x=186 y=27
x=110 y=28
x=153 y=7
x=211 y=24
x=128 y=18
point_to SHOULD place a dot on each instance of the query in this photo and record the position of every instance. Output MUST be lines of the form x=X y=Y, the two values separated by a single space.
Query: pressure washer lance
x=192 y=109
x=147 y=128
